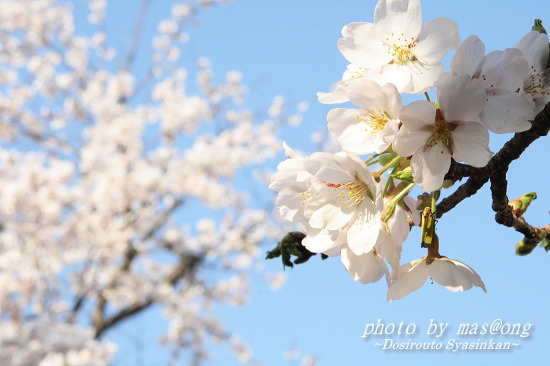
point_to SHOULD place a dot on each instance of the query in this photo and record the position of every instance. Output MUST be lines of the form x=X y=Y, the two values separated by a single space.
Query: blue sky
x=289 y=48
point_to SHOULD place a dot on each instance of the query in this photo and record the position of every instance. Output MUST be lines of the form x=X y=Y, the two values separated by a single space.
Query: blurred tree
x=108 y=159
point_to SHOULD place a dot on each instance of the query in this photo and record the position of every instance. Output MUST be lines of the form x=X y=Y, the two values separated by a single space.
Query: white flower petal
x=388 y=250
x=414 y=214
x=407 y=143
x=363 y=234
x=290 y=206
x=389 y=8
x=468 y=56
x=358 y=133
x=339 y=119
x=336 y=96
x=361 y=46
x=418 y=115
x=472 y=275
x=399 y=75
x=448 y=275
x=321 y=240
x=360 y=139
x=437 y=37
x=369 y=95
x=359 y=168
x=290 y=153
x=327 y=167
x=399 y=225
x=460 y=97
x=366 y=268
x=503 y=69
x=507 y=112
x=430 y=166
x=326 y=216
x=535 y=48
x=410 y=279
x=399 y=17
x=392 y=102
x=423 y=77
x=454 y=275
x=333 y=252
x=470 y=144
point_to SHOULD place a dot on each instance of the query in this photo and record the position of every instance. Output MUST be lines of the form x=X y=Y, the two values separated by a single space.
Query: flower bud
x=520 y=204
x=524 y=248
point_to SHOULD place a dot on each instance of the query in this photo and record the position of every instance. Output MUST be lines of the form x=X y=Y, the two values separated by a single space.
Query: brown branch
x=472 y=185
x=496 y=171
x=187 y=267
x=511 y=151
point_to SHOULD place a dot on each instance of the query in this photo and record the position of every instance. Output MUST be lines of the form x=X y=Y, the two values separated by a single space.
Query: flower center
x=401 y=48
x=441 y=131
x=358 y=72
x=535 y=84
x=305 y=196
x=351 y=193
x=376 y=120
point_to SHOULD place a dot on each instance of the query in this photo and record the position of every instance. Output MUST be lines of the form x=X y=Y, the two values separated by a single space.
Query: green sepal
x=403 y=174
x=538 y=27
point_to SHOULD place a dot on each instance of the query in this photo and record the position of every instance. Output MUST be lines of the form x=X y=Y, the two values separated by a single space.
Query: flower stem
x=403 y=193
x=371 y=158
x=428 y=234
x=390 y=206
x=388 y=183
x=427 y=97
x=390 y=165
x=435 y=197
x=433 y=250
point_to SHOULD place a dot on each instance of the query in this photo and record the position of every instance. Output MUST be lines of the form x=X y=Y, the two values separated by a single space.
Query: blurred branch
x=138 y=31
x=99 y=321
x=187 y=267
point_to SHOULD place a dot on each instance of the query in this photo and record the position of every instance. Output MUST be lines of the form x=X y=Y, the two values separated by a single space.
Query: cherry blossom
x=433 y=135
x=536 y=85
x=115 y=196
x=449 y=273
x=367 y=268
x=290 y=183
x=338 y=95
x=372 y=128
x=503 y=74
x=342 y=197
x=397 y=48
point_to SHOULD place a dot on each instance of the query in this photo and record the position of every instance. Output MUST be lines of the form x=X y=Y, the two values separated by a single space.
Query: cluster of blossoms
x=364 y=216
x=114 y=196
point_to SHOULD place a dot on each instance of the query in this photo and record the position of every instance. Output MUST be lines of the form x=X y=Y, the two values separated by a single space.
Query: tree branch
x=496 y=171
x=187 y=267
x=138 y=30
